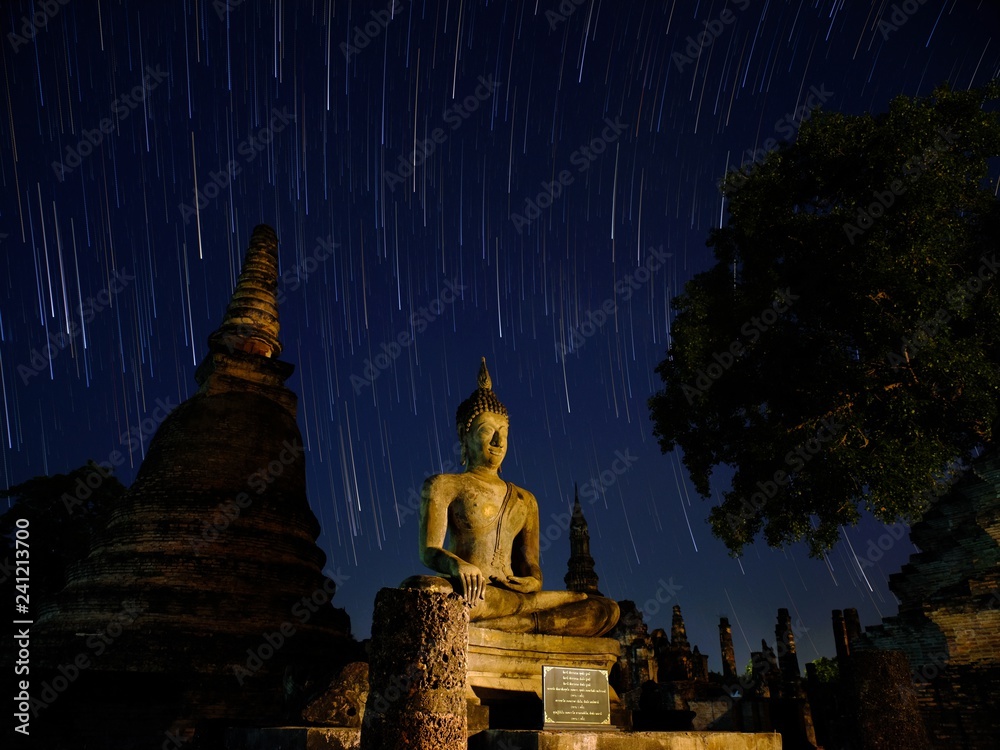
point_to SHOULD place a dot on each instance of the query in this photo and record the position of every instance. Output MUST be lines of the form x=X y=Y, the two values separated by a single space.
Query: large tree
x=842 y=354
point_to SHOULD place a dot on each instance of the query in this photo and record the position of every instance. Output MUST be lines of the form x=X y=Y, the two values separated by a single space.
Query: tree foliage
x=827 y=670
x=842 y=354
x=63 y=513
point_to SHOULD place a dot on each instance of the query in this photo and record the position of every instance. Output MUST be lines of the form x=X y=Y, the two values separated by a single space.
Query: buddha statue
x=480 y=533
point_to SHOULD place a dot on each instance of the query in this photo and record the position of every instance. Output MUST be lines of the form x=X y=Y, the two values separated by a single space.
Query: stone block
x=342 y=704
x=514 y=661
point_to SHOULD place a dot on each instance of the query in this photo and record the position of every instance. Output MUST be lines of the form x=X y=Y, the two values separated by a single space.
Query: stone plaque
x=573 y=698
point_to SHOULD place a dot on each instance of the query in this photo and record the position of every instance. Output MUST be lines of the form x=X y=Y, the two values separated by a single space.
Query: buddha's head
x=482 y=423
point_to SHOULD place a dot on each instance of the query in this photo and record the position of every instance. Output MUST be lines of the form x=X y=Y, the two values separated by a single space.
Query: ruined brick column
x=784 y=638
x=417 y=672
x=853 y=625
x=840 y=636
x=728 y=653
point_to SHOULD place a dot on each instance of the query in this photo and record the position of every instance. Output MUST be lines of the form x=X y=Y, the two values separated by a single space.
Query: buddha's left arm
x=524 y=557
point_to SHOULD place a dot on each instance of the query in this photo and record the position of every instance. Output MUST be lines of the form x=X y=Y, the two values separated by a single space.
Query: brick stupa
x=209 y=565
x=949 y=611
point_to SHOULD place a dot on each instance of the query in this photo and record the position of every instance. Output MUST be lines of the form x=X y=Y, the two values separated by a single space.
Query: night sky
x=448 y=180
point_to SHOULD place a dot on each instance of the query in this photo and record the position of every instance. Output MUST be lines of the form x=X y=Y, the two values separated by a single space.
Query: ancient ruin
x=581 y=575
x=948 y=624
x=209 y=591
x=207 y=581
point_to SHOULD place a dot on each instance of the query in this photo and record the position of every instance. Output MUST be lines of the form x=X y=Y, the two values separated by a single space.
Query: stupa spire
x=581 y=575
x=243 y=353
x=251 y=320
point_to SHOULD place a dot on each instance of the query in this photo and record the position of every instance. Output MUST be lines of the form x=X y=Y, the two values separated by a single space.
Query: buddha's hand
x=473 y=582
x=521 y=584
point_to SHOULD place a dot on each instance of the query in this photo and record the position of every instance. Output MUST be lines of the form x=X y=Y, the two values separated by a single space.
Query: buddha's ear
x=463 y=457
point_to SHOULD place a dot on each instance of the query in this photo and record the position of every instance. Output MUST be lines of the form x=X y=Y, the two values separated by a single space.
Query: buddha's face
x=486 y=441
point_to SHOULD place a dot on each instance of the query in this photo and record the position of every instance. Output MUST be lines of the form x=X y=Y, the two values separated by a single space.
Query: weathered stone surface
x=492 y=556
x=342 y=704
x=504 y=739
x=883 y=702
x=637 y=660
x=293 y=738
x=417 y=672
x=513 y=661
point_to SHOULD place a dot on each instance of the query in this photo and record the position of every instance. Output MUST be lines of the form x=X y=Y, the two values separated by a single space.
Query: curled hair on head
x=481 y=400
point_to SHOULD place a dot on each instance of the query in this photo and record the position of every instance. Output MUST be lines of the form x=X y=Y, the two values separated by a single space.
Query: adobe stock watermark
x=713 y=30
x=795 y=459
x=32 y=24
x=595 y=319
x=135 y=438
x=222 y=7
x=877 y=548
x=787 y=126
x=177 y=736
x=411 y=505
x=399 y=685
x=901 y=13
x=41 y=359
x=122 y=106
x=97 y=643
x=885 y=199
x=582 y=158
x=454 y=116
x=665 y=593
x=936 y=664
x=590 y=490
x=248 y=148
x=751 y=330
x=561 y=15
x=419 y=321
x=291 y=280
x=927 y=329
x=229 y=510
x=372 y=29
x=303 y=611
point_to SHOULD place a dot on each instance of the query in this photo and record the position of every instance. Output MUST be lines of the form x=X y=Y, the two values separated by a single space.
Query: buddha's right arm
x=434 y=504
x=435 y=500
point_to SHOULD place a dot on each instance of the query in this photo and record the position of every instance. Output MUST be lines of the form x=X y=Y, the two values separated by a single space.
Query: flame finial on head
x=480 y=400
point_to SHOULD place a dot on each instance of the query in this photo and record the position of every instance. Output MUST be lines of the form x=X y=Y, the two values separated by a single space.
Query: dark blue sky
x=448 y=180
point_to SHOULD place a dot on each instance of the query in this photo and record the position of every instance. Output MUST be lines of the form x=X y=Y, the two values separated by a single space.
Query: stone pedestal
x=505 y=670
x=417 y=672
x=503 y=739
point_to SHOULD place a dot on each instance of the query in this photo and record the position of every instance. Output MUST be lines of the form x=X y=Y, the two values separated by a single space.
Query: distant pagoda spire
x=678 y=632
x=581 y=575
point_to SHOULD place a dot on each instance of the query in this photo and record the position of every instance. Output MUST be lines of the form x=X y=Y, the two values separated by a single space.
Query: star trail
x=527 y=181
